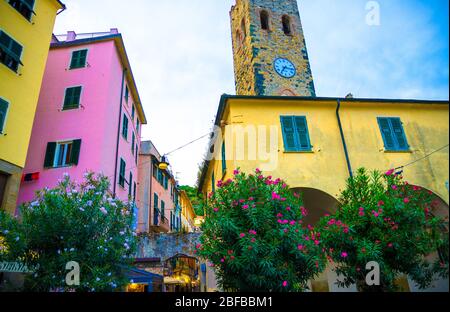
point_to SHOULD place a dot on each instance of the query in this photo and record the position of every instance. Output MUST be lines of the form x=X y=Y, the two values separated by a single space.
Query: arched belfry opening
x=286 y=22
x=264 y=16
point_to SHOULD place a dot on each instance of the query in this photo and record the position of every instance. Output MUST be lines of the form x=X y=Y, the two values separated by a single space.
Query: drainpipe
x=118 y=133
x=344 y=144
x=150 y=210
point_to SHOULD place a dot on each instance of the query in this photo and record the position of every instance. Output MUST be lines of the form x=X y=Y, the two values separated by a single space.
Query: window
x=171 y=221
x=134 y=191
x=224 y=159
x=132 y=143
x=130 y=183
x=295 y=134
x=136 y=155
x=133 y=111
x=72 y=98
x=127 y=94
x=163 y=207
x=155 y=170
x=155 y=209
x=62 y=154
x=24 y=7
x=78 y=59
x=137 y=126
x=3 y=111
x=264 y=20
x=286 y=21
x=166 y=182
x=394 y=137
x=122 y=173
x=10 y=52
x=125 y=127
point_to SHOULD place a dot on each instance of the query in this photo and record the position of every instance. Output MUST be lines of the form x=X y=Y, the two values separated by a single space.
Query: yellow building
x=25 y=33
x=315 y=144
x=187 y=213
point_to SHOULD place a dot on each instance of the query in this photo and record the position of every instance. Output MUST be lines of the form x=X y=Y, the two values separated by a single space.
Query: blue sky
x=180 y=53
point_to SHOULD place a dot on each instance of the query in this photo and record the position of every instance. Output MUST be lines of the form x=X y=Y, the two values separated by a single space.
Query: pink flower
x=242 y=235
x=219 y=183
x=279 y=215
x=316 y=242
x=245 y=207
x=394 y=187
x=288 y=208
x=293 y=222
x=406 y=200
x=361 y=213
x=346 y=230
x=286 y=230
x=390 y=245
x=376 y=214
x=251 y=198
x=380 y=203
x=285 y=283
x=416 y=188
x=198 y=246
x=300 y=247
x=253 y=240
x=280 y=221
x=275 y=196
x=236 y=172
x=344 y=254
x=389 y=172
x=216 y=209
x=242 y=201
x=222 y=260
x=253 y=232
x=257 y=170
x=331 y=222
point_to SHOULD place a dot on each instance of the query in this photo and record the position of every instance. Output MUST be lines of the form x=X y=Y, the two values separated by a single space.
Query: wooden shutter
x=132 y=143
x=224 y=160
x=72 y=98
x=130 y=183
x=386 y=133
x=287 y=127
x=74 y=61
x=302 y=132
x=50 y=155
x=3 y=111
x=399 y=134
x=75 y=154
x=125 y=126
x=78 y=59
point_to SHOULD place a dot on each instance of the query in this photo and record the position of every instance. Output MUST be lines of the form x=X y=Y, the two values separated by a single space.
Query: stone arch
x=287 y=25
x=265 y=20
x=317 y=202
x=287 y=92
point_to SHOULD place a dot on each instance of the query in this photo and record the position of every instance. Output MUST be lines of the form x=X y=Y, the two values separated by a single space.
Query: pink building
x=88 y=117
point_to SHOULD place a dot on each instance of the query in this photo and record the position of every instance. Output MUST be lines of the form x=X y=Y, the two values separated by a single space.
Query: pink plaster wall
x=95 y=123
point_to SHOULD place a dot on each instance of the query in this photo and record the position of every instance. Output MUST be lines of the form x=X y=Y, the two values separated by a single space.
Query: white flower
x=35 y=203
x=17 y=238
x=109 y=274
x=72 y=249
x=59 y=251
x=89 y=203
x=86 y=175
x=65 y=174
x=103 y=210
x=97 y=279
x=81 y=209
x=5 y=232
x=122 y=233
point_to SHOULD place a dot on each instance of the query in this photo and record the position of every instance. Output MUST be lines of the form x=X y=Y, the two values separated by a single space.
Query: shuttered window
x=132 y=143
x=78 y=59
x=3 y=111
x=295 y=134
x=155 y=209
x=224 y=159
x=10 y=52
x=130 y=183
x=163 y=207
x=72 y=98
x=61 y=154
x=24 y=7
x=125 y=127
x=122 y=173
x=393 y=134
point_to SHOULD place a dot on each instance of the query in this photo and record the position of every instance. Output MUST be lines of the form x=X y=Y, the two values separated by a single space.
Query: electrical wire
x=422 y=158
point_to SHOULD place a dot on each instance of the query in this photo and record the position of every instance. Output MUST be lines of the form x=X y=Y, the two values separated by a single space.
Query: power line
x=422 y=158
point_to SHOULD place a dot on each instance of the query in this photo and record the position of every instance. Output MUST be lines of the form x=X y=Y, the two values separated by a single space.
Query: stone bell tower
x=269 y=49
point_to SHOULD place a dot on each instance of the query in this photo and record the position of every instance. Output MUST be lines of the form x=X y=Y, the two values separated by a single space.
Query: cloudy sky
x=180 y=53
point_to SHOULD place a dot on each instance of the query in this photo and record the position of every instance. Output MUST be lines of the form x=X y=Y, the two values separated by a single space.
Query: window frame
x=126 y=93
x=64 y=98
x=85 y=60
x=32 y=12
x=298 y=148
x=15 y=70
x=125 y=133
x=122 y=178
x=8 y=105
x=287 y=18
x=396 y=147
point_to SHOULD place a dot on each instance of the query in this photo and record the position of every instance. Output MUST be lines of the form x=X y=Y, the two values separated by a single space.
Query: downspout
x=150 y=210
x=344 y=144
x=118 y=132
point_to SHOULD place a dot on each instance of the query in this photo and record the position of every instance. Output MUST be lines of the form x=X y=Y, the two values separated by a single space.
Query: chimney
x=71 y=36
x=113 y=31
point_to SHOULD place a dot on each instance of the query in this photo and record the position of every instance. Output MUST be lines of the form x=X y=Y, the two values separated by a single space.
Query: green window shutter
x=133 y=112
x=125 y=127
x=3 y=110
x=301 y=127
x=12 y=48
x=122 y=173
x=289 y=138
x=72 y=98
x=75 y=154
x=132 y=143
x=163 y=207
x=50 y=155
x=155 y=200
x=127 y=93
x=130 y=183
x=136 y=155
x=386 y=133
x=399 y=134
x=78 y=59
x=224 y=160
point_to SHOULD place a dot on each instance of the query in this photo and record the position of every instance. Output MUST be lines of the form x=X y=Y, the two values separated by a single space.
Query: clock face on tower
x=284 y=67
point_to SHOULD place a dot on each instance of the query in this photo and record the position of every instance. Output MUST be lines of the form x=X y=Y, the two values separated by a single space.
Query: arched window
x=264 y=20
x=286 y=21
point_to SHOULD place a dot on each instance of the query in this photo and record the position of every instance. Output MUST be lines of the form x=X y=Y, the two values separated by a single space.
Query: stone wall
x=255 y=49
x=167 y=245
